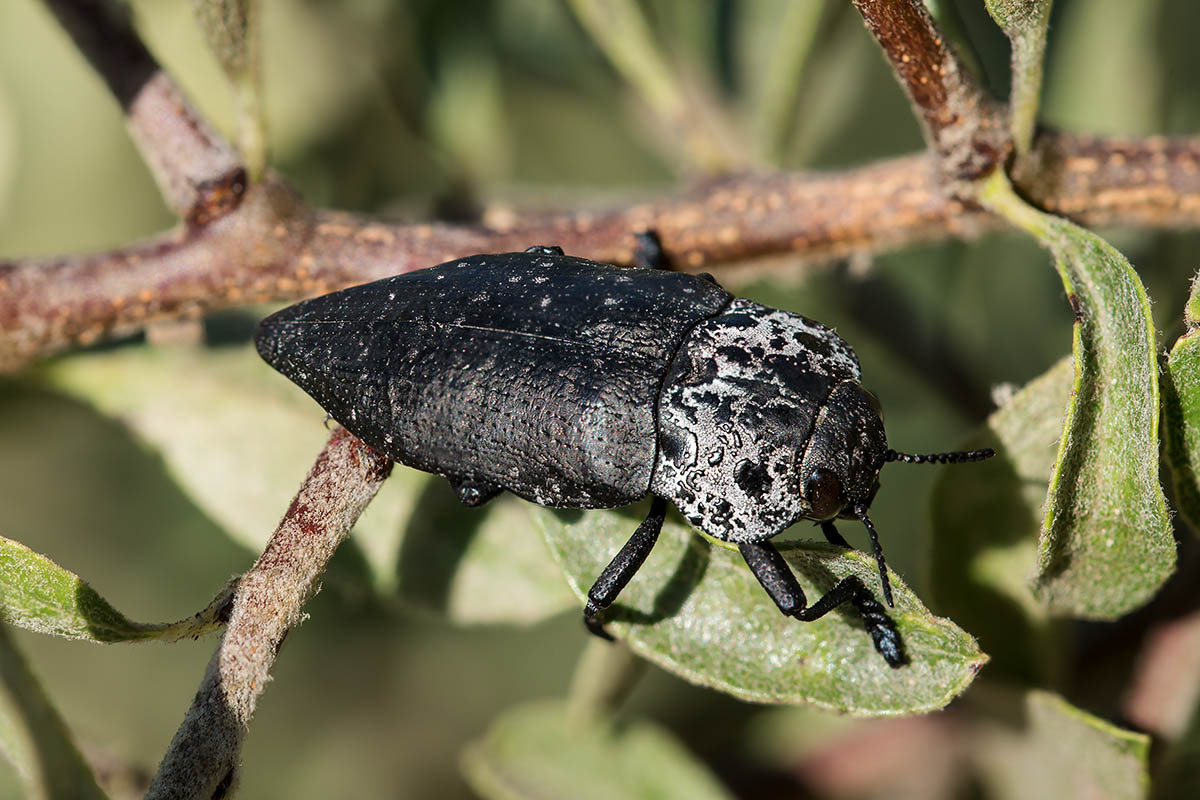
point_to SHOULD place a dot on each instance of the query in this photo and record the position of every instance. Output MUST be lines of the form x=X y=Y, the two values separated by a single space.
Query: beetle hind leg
x=472 y=494
x=623 y=567
x=777 y=579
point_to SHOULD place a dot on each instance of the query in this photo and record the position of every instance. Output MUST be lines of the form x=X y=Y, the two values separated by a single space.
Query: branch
x=198 y=172
x=1149 y=182
x=961 y=123
x=202 y=759
x=272 y=247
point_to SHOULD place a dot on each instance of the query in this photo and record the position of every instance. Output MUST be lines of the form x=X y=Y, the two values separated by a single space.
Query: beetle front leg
x=777 y=579
x=623 y=567
x=832 y=535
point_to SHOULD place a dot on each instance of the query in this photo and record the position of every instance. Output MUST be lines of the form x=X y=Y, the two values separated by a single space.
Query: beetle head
x=839 y=469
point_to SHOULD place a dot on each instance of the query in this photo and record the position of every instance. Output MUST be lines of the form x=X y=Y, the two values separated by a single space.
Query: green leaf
x=238 y=439
x=39 y=595
x=695 y=610
x=234 y=436
x=1025 y=23
x=1181 y=412
x=1036 y=744
x=1106 y=543
x=478 y=566
x=985 y=528
x=536 y=751
x=33 y=736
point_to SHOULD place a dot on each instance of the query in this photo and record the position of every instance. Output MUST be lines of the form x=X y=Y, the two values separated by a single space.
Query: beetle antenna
x=860 y=511
x=957 y=457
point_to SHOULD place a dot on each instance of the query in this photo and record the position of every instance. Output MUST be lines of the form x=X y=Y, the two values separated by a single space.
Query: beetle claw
x=595 y=626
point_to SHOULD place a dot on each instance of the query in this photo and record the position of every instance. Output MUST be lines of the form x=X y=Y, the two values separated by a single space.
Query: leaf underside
x=537 y=751
x=985 y=530
x=1181 y=413
x=1107 y=542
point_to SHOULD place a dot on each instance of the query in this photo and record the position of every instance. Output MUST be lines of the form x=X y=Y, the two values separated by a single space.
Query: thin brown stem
x=272 y=247
x=267 y=603
x=199 y=174
x=962 y=124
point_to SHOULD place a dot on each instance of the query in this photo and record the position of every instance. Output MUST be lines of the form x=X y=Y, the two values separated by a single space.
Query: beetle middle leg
x=776 y=577
x=473 y=495
x=649 y=254
x=623 y=567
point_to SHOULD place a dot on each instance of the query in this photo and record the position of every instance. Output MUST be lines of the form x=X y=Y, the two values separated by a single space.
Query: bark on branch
x=272 y=247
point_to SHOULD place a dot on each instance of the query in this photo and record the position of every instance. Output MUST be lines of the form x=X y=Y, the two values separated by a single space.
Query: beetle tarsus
x=592 y=621
x=622 y=568
x=880 y=627
x=777 y=579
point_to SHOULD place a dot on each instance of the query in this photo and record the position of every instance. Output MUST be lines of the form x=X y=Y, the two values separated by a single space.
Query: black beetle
x=582 y=385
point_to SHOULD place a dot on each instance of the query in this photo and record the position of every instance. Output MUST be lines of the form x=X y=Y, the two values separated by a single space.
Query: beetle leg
x=473 y=494
x=648 y=254
x=832 y=535
x=776 y=577
x=544 y=250
x=617 y=574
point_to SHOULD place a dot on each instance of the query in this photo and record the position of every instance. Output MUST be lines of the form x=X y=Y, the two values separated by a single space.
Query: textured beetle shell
x=534 y=373
x=737 y=413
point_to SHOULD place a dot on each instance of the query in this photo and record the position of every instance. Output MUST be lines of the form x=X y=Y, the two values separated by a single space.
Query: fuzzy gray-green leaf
x=232 y=30
x=39 y=595
x=1025 y=23
x=1036 y=744
x=537 y=752
x=1181 y=412
x=985 y=528
x=696 y=610
x=1106 y=544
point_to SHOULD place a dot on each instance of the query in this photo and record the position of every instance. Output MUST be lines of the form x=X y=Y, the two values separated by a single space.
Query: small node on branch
x=963 y=125
x=199 y=174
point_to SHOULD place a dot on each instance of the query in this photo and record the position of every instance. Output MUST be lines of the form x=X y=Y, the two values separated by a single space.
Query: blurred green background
x=429 y=108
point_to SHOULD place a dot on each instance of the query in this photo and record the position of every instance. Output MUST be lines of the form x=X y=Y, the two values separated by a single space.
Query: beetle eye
x=823 y=491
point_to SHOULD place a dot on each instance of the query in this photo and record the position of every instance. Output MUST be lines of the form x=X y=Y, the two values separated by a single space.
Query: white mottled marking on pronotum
x=735 y=415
